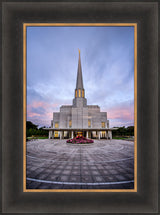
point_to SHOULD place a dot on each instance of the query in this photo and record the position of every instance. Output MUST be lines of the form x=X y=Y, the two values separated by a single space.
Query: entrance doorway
x=80 y=133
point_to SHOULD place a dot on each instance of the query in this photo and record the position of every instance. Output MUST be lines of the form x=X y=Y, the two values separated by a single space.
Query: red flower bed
x=80 y=140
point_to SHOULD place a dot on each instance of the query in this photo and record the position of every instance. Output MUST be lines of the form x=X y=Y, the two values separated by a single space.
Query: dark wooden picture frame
x=14 y=14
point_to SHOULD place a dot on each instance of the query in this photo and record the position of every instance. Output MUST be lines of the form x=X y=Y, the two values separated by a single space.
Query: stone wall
x=79 y=115
x=65 y=111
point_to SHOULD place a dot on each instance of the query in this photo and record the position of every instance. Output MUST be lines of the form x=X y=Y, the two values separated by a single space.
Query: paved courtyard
x=104 y=164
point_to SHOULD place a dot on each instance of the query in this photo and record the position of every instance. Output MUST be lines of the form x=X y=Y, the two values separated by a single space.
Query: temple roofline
x=79 y=129
x=63 y=106
x=94 y=106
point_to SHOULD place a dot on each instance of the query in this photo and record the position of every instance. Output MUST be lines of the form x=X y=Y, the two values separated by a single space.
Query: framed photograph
x=104 y=156
x=80 y=122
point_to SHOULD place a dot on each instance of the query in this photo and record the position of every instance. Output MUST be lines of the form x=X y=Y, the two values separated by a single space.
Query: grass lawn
x=30 y=138
x=42 y=137
x=121 y=138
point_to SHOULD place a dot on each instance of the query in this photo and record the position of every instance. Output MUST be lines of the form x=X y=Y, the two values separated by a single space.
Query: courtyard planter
x=80 y=140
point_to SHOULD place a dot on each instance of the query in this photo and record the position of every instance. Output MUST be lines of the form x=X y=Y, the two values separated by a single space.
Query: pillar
x=72 y=134
x=107 y=135
x=86 y=134
x=89 y=134
x=110 y=134
x=99 y=135
x=50 y=134
x=61 y=135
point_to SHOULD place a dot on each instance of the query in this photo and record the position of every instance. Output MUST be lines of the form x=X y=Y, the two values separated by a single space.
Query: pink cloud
x=123 y=112
x=30 y=114
x=37 y=104
x=38 y=117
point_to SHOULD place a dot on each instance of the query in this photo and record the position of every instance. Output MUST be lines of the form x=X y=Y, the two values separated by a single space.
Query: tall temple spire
x=79 y=84
x=79 y=98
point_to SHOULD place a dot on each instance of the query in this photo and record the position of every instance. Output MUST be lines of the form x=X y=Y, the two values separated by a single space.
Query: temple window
x=76 y=93
x=89 y=123
x=56 y=125
x=103 y=124
x=70 y=123
x=83 y=93
x=79 y=92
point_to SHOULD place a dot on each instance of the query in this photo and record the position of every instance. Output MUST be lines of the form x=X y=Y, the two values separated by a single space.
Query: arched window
x=79 y=92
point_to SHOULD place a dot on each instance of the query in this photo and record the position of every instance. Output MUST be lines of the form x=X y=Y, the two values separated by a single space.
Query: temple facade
x=80 y=118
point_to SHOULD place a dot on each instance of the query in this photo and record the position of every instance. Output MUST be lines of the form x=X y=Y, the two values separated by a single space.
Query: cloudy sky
x=107 y=57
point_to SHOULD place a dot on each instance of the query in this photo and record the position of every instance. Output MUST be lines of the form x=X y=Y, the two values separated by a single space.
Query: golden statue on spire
x=79 y=51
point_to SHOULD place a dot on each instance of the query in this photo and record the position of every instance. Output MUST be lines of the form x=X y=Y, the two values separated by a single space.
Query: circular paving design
x=104 y=164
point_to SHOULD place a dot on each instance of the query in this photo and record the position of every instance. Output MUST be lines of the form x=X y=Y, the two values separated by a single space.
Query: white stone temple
x=80 y=118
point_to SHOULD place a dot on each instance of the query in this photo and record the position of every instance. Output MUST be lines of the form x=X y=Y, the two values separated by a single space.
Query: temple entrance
x=80 y=133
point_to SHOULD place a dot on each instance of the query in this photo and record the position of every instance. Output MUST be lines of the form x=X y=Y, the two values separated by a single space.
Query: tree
x=122 y=131
x=29 y=125
x=32 y=129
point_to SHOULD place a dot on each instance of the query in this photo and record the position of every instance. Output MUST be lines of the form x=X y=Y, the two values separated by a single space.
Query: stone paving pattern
x=104 y=164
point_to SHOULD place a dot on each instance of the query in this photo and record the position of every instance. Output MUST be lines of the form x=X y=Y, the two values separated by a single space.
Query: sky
x=107 y=59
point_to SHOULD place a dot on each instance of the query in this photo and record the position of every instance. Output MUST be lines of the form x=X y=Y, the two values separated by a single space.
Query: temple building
x=80 y=118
